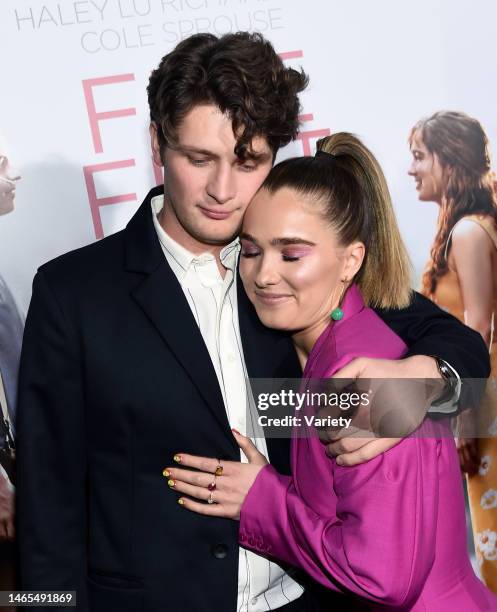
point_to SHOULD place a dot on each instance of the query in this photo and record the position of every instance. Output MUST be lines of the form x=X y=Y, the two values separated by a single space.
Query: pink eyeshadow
x=297 y=252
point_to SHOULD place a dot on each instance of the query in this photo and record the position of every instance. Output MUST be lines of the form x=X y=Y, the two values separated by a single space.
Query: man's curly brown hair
x=239 y=73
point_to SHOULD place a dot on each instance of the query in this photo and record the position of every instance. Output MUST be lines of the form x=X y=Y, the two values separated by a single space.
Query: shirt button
x=253 y=601
x=231 y=358
x=219 y=551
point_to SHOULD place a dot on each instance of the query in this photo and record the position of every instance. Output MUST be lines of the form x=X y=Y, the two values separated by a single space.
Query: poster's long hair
x=468 y=188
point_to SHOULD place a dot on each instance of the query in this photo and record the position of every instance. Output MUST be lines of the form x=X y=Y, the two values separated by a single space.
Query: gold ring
x=219 y=469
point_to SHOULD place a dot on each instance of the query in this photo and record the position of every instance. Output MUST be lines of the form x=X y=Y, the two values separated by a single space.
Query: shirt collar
x=182 y=256
x=229 y=255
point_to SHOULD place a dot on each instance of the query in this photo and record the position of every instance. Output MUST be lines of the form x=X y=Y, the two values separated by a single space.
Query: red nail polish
x=236 y=431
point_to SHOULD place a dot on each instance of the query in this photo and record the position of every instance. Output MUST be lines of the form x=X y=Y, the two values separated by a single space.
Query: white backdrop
x=376 y=67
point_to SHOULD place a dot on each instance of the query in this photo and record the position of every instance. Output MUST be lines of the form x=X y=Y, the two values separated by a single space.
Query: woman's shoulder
x=474 y=228
x=367 y=335
x=361 y=333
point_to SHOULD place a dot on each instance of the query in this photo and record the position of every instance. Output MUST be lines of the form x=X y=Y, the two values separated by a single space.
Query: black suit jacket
x=115 y=378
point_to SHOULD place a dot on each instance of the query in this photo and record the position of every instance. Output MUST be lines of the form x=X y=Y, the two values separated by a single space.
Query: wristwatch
x=450 y=379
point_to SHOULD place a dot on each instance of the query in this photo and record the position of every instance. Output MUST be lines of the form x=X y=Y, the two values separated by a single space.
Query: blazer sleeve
x=385 y=518
x=428 y=330
x=51 y=456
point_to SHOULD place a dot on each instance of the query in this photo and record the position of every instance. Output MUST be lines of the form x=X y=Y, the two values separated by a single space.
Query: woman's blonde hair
x=347 y=182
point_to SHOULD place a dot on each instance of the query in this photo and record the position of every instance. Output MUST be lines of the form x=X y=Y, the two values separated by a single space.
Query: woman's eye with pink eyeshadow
x=294 y=254
x=249 y=253
x=248 y=249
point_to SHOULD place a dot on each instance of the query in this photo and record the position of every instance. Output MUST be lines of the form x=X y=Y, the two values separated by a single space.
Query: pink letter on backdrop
x=291 y=54
x=93 y=115
x=95 y=202
x=305 y=137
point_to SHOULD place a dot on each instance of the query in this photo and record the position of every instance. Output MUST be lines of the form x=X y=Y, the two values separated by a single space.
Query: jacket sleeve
x=428 y=330
x=386 y=517
x=51 y=455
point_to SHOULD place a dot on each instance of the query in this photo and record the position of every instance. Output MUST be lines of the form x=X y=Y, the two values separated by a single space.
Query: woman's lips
x=215 y=214
x=272 y=299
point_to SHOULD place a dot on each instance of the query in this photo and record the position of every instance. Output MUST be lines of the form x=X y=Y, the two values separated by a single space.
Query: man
x=140 y=345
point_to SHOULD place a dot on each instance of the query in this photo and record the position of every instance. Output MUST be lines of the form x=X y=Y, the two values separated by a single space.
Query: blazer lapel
x=161 y=298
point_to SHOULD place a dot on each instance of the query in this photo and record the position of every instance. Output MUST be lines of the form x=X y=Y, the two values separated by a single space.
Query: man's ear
x=154 y=143
x=354 y=256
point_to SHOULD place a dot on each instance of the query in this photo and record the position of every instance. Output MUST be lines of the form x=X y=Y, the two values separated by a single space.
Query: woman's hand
x=469 y=456
x=6 y=506
x=222 y=494
x=395 y=409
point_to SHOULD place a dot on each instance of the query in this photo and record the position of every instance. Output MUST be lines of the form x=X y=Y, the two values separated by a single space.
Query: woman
x=389 y=531
x=451 y=166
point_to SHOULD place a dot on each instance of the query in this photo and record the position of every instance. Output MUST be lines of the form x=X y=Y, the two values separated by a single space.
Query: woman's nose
x=267 y=274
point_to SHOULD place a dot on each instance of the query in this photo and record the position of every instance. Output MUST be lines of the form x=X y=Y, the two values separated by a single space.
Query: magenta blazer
x=391 y=530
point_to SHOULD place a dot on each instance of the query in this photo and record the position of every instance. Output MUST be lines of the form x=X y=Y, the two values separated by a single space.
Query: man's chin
x=216 y=241
x=220 y=239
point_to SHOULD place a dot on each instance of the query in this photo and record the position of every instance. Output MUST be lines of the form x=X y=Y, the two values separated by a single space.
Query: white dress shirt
x=262 y=585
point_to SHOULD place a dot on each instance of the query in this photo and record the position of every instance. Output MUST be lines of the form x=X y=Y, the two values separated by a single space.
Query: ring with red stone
x=212 y=486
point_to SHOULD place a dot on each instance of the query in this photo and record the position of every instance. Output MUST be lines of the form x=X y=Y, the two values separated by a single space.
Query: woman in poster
x=451 y=166
x=390 y=531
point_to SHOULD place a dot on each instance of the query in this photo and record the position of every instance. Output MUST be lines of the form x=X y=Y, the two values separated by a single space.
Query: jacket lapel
x=161 y=298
